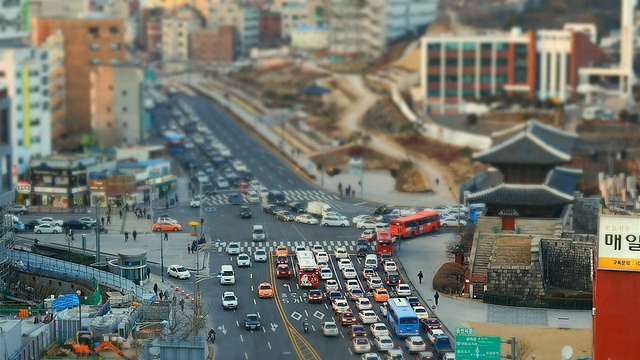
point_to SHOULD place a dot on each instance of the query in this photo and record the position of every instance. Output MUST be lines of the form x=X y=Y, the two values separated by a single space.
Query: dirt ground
x=545 y=343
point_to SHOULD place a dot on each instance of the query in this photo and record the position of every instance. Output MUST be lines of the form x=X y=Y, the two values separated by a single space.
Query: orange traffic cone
x=193 y=300
x=177 y=288
x=187 y=296
x=182 y=291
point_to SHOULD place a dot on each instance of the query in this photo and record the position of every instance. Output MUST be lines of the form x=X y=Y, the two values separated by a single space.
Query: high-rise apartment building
x=150 y=32
x=25 y=72
x=213 y=45
x=176 y=27
x=90 y=40
x=366 y=28
x=54 y=45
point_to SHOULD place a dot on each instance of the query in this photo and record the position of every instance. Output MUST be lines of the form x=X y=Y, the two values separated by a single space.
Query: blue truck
x=442 y=344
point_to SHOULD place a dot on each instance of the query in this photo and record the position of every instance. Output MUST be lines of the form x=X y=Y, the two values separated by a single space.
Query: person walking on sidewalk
x=102 y=220
x=166 y=237
x=189 y=248
x=160 y=295
x=340 y=188
x=109 y=219
x=436 y=297
x=119 y=212
x=353 y=192
x=182 y=304
x=420 y=276
x=155 y=288
x=126 y=236
x=135 y=234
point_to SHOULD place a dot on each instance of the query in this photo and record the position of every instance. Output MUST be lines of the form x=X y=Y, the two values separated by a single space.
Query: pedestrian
x=437 y=181
x=120 y=212
x=126 y=236
x=109 y=219
x=166 y=294
x=420 y=276
x=108 y=210
x=436 y=297
x=126 y=207
x=166 y=236
x=144 y=212
x=176 y=198
x=340 y=188
x=161 y=294
x=102 y=220
x=189 y=248
x=182 y=304
x=353 y=192
x=166 y=205
x=347 y=191
x=155 y=288
x=135 y=234
x=174 y=300
x=148 y=271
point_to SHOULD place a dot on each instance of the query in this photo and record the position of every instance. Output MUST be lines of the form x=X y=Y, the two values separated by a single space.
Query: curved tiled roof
x=521 y=195
x=530 y=143
x=564 y=179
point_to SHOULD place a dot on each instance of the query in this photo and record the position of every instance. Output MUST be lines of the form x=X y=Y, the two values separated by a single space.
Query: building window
x=485 y=79
x=20 y=160
x=94 y=31
x=45 y=105
x=109 y=124
x=469 y=61
x=35 y=122
x=433 y=93
x=18 y=74
x=19 y=108
x=36 y=140
x=485 y=46
x=124 y=124
x=468 y=78
x=20 y=142
x=124 y=109
x=485 y=61
x=18 y=91
x=451 y=78
x=2 y=74
x=124 y=92
x=501 y=78
x=114 y=29
x=452 y=61
x=115 y=46
x=433 y=78
x=125 y=140
x=502 y=61
x=94 y=46
x=109 y=110
x=451 y=46
x=114 y=61
x=95 y=61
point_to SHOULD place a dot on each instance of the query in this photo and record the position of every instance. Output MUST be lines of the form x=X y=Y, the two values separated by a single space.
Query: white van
x=258 y=233
x=371 y=261
x=332 y=220
x=227 y=275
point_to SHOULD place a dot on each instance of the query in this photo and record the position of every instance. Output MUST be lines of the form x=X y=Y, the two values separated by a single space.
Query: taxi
x=265 y=290
x=166 y=226
x=368 y=234
x=282 y=251
x=380 y=295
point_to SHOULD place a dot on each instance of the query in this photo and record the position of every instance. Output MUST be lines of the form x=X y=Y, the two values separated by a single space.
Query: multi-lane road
x=281 y=335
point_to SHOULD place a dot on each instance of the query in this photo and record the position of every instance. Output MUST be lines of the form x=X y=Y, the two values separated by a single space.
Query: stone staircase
x=484 y=250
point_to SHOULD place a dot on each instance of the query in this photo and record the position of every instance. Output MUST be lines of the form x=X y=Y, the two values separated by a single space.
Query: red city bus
x=384 y=242
x=308 y=270
x=413 y=225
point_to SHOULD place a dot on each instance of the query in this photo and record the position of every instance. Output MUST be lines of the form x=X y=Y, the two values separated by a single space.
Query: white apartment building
x=367 y=28
x=175 y=34
x=25 y=72
x=246 y=20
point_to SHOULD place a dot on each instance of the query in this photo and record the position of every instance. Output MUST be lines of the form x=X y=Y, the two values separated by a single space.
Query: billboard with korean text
x=14 y=19
x=618 y=243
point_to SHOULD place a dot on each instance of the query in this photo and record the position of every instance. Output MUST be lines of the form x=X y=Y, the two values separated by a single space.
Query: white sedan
x=379 y=329
x=421 y=312
x=47 y=229
x=349 y=273
x=366 y=224
x=364 y=304
x=322 y=256
x=341 y=253
x=51 y=221
x=195 y=202
x=306 y=219
x=251 y=197
x=326 y=274
x=368 y=316
x=178 y=272
x=452 y=222
x=243 y=260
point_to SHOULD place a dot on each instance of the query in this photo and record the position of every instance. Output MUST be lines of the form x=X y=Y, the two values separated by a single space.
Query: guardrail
x=548 y=303
x=38 y=264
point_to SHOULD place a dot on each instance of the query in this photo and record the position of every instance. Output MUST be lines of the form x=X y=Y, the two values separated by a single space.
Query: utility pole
x=98 y=229
x=512 y=342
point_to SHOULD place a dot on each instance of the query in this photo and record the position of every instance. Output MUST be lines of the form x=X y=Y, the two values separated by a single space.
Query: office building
x=54 y=45
x=150 y=33
x=89 y=41
x=245 y=19
x=270 y=28
x=207 y=46
x=539 y=64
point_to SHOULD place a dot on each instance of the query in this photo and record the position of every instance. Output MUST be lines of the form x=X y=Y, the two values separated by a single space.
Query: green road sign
x=464 y=331
x=477 y=347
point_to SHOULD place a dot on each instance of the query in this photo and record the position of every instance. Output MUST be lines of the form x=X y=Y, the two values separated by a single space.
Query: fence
x=33 y=348
x=42 y=265
x=548 y=303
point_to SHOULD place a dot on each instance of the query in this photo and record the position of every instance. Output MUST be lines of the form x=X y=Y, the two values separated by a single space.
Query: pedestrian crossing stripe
x=249 y=246
x=291 y=195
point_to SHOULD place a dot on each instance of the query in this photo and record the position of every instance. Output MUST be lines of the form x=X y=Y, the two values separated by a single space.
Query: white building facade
x=25 y=72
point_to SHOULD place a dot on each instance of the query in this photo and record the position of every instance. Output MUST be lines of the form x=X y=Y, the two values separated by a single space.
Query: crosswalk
x=249 y=246
x=291 y=195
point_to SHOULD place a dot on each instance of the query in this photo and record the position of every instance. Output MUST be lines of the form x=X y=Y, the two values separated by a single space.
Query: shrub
x=558 y=295
x=449 y=278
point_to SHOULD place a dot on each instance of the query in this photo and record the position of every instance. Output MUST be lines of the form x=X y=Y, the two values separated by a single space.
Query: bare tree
x=187 y=322
x=523 y=349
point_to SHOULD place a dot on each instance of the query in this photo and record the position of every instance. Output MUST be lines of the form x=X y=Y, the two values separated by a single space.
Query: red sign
x=23 y=187
x=14 y=170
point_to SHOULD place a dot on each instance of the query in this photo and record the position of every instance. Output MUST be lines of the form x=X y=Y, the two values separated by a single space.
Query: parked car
x=77 y=225
x=31 y=224
x=47 y=229
x=52 y=221
x=18 y=209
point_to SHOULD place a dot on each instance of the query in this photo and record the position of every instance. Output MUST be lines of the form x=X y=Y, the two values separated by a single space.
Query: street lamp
x=78 y=292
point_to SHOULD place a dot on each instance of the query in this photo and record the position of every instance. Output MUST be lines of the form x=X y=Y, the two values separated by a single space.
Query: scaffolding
x=6 y=243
